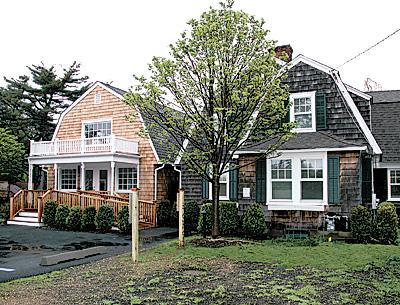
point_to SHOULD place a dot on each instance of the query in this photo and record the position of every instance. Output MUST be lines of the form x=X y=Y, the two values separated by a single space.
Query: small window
x=97 y=129
x=68 y=179
x=311 y=179
x=97 y=98
x=394 y=184
x=223 y=186
x=127 y=178
x=303 y=111
x=281 y=177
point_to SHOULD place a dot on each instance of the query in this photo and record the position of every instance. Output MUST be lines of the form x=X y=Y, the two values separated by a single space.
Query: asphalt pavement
x=22 y=248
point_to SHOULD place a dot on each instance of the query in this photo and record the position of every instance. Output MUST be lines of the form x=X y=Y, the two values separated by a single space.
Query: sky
x=115 y=39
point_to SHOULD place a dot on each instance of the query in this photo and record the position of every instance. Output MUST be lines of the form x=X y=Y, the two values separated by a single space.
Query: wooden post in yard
x=180 y=203
x=134 y=204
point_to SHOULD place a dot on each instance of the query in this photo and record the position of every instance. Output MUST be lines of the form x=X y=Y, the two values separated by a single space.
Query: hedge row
x=63 y=217
x=383 y=230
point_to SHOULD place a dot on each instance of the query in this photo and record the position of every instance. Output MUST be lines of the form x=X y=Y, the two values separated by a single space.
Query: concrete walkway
x=21 y=248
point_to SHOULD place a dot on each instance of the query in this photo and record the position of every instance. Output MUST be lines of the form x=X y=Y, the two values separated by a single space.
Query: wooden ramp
x=35 y=200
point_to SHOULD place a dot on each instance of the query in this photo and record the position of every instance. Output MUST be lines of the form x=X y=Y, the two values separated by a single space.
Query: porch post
x=83 y=176
x=112 y=177
x=30 y=177
x=56 y=176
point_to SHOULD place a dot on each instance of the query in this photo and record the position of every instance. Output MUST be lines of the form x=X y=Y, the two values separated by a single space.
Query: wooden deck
x=26 y=200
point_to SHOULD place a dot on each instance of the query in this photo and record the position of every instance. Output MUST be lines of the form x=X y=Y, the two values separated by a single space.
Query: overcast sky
x=115 y=39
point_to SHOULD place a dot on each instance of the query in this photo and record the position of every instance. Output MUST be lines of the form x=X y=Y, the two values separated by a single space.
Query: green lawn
x=257 y=273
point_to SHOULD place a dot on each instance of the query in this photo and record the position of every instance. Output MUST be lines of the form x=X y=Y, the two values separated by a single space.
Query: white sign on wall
x=246 y=192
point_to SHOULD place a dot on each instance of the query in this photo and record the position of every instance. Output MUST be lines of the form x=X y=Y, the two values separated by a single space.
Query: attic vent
x=97 y=98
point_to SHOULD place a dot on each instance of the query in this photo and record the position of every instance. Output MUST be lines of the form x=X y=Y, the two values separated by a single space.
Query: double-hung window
x=95 y=130
x=394 y=184
x=127 y=178
x=303 y=111
x=312 y=182
x=68 y=179
x=281 y=179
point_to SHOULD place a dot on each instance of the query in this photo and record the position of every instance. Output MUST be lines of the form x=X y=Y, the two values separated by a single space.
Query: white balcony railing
x=84 y=146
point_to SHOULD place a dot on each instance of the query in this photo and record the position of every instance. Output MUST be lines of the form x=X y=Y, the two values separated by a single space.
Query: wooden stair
x=26 y=218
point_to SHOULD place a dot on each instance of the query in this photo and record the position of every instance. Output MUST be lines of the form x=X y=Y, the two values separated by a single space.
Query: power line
x=371 y=47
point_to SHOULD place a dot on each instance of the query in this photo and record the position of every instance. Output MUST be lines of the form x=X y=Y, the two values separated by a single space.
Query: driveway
x=21 y=248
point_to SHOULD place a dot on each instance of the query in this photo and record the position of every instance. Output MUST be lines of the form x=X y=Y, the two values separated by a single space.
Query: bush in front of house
x=4 y=213
x=361 y=224
x=228 y=218
x=191 y=215
x=74 y=219
x=105 y=218
x=254 y=224
x=167 y=216
x=49 y=213
x=386 y=224
x=88 y=221
x=205 y=223
x=123 y=220
x=62 y=213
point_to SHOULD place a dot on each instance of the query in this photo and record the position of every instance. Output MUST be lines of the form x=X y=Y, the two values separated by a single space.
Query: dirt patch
x=218 y=243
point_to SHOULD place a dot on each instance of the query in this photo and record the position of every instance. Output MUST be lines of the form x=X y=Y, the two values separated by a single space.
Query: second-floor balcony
x=110 y=144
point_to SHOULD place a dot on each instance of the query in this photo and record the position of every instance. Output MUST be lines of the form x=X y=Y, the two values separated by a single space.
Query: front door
x=103 y=180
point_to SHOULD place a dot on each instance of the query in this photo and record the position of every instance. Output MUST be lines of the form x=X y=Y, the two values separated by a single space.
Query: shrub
x=49 y=213
x=62 y=213
x=207 y=219
x=123 y=220
x=4 y=213
x=88 y=219
x=360 y=224
x=74 y=219
x=386 y=223
x=228 y=218
x=191 y=216
x=167 y=214
x=105 y=218
x=253 y=221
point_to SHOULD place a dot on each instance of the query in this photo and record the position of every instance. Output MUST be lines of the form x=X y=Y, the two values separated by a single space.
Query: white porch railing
x=83 y=146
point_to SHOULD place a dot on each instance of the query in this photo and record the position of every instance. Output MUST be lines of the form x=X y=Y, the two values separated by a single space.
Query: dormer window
x=97 y=98
x=303 y=111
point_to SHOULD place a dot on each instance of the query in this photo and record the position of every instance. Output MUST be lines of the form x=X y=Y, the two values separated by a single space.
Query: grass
x=266 y=272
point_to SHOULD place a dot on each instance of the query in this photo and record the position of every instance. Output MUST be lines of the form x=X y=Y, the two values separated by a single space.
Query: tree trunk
x=215 y=198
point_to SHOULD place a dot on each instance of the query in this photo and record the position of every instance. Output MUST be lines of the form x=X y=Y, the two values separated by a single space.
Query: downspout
x=155 y=181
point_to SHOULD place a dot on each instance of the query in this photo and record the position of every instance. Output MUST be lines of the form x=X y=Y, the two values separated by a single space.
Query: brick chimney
x=280 y=52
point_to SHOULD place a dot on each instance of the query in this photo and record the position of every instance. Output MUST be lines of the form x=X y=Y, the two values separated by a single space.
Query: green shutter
x=261 y=179
x=233 y=184
x=320 y=108
x=366 y=179
x=205 y=194
x=333 y=180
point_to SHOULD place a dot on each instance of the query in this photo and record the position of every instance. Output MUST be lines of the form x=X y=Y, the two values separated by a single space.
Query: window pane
x=312 y=190
x=319 y=173
x=281 y=190
x=395 y=191
x=303 y=120
x=304 y=173
x=222 y=190
x=274 y=174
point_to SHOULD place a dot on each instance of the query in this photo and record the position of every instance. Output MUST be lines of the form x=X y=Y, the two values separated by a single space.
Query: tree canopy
x=12 y=157
x=219 y=91
x=30 y=105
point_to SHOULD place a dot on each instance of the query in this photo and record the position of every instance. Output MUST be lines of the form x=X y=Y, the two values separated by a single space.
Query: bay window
x=281 y=177
x=394 y=184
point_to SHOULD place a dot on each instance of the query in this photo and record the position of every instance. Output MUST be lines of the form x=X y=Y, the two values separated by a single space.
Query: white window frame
x=296 y=202
x=390 y=198
x=311 y=95
x=227 y=188
x=313 y=179
x=95 y=121
x=281 y=179
x=117 y=178
x=67 y=167
x=97 y=98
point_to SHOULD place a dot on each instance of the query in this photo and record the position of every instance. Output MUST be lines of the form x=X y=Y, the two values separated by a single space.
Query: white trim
x=296 y=203
x=336 y=77
x=389 y=184
x=358 y=92
x=311 y=95
x=350 y=148
x=92 y=158
x=391 y=165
